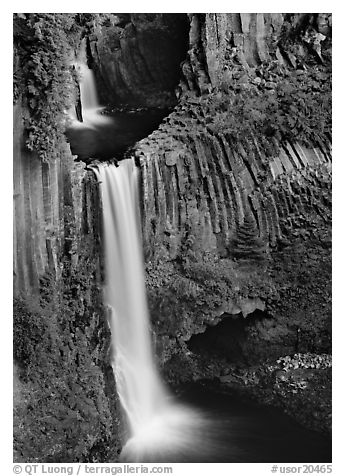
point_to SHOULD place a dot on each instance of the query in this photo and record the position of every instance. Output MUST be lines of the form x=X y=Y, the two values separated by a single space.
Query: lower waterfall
x=157 y=426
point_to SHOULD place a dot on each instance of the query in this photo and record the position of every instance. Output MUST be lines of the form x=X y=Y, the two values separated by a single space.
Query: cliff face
x=226 y=226
x=236 y=221
x=207 y=186
x=227 y=220
x=42 y=194
x=251 y=39
x=64 y=385
x=65 y=405
x=216 y=37
x=137 y=59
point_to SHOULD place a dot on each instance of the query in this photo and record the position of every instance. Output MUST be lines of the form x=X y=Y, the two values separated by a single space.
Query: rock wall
x=137 y=60
x=36 y=209
x=42 y=191
x=228 y=228
x=225 y=221
x=206 y=186
x=247 y=33
x=65 y=406
x=221 y=214
x=213 y=215
x=220 y=41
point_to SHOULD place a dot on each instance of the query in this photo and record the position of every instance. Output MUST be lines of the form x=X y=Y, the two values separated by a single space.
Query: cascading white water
x=88 y=92
x=139 y=387
x=158 y=427
x=88 y=96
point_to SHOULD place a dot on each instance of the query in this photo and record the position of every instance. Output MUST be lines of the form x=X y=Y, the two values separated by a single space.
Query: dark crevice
x=237 y=23
x=217 y=32
x=232 y=339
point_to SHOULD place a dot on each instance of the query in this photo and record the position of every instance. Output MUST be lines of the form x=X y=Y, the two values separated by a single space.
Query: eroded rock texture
x=65 y=405
x=217 y=41
x=230 y=226
x=209 y=187
x=137 y=60
x=236 y=235
x=42 y=194
x=233 y=225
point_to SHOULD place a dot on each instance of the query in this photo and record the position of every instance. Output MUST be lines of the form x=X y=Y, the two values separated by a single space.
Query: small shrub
x=29 y=329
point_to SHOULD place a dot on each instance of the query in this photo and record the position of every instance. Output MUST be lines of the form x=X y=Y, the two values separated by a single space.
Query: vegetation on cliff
x=65 y=405
x=44 y=76
x=45 y=47
x=286 y=97
x=62 y=412
x=273 y=102
x=61 y=407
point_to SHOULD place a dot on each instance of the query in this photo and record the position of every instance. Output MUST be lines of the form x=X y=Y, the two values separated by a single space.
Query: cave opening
x=236 y=340
x=136 y=68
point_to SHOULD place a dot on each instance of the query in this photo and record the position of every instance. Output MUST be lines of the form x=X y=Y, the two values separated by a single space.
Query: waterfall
x=139 y=388
x=156 y=424
x=88 y=92
x=91 y=108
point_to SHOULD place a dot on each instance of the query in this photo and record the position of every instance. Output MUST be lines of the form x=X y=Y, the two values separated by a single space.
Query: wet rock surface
x=236 y=221
x=65 y=403
x=232 y=226
x=137 y=60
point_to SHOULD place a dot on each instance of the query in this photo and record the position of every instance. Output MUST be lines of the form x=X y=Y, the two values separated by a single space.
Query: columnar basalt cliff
x=65 y=404
x=237 y=222
x=42 y=192
x=64 y=391
x=223 y=215
x=234 y=191
x=224 y=231
x=137 y=58
x=236 y=208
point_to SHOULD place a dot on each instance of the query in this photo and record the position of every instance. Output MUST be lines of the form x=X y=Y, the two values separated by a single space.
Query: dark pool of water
x=249 y=433
x=112 y=139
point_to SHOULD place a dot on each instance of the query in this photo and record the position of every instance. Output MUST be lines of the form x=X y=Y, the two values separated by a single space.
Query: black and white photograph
x=172 y=247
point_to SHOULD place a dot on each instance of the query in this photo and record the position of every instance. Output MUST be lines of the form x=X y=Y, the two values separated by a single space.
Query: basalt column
x=64 y=397
x=229 y=204
x=137 y=60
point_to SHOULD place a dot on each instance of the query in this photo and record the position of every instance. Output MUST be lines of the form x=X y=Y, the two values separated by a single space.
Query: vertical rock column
x=58 y=283
x=38 y=210
x=195 y=184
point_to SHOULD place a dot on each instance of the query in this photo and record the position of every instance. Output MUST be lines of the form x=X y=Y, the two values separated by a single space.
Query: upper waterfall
x=91 y=108
x=88 y=91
